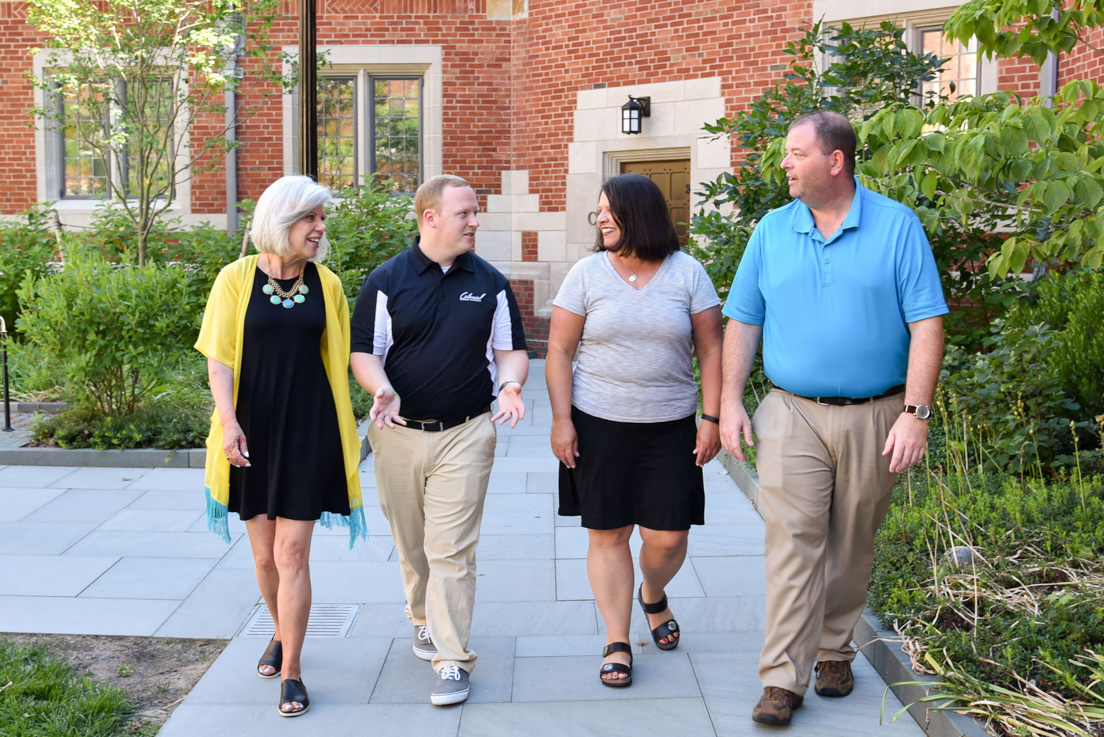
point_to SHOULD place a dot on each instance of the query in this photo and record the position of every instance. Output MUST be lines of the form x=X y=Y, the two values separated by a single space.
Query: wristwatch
x=921 y=411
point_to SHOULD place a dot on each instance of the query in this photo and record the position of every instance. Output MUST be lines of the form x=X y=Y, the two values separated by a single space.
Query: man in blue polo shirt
x=842 y=287
x=436 y=336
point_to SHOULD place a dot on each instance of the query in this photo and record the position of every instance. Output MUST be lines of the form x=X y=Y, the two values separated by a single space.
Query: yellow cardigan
x=221 y=338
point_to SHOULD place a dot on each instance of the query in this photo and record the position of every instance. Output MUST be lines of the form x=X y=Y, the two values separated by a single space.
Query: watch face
x=923 y=412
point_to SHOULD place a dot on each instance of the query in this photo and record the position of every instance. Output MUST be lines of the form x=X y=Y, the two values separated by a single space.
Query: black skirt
x=630 y=473
x=286 y=409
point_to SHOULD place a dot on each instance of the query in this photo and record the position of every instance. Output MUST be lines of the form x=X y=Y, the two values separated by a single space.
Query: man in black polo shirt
x=437 y=331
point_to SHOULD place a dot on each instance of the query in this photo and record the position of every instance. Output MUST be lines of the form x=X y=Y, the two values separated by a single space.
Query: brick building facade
x=522 y=98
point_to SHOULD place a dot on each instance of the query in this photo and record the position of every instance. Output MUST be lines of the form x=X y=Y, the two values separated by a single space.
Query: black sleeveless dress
x=286 y=409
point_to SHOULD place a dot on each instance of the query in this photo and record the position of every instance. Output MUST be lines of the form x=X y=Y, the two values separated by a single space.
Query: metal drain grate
x=326 y=620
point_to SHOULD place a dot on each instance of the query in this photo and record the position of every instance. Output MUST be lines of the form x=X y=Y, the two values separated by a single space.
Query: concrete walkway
x=125 y=552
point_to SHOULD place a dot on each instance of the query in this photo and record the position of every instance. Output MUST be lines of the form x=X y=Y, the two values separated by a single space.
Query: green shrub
x=174 y=420
x=368 y=226
x=1028 y=604
x=26 y=245
x=115 y=333
x=1007 y=409
x=202 y=249
x=1072 y=305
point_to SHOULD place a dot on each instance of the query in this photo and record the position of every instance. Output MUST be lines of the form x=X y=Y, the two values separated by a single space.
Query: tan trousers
x=431 y=489
x=825 y=489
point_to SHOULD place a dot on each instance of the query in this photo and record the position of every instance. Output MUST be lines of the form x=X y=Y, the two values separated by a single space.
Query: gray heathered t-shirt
x=634 y=359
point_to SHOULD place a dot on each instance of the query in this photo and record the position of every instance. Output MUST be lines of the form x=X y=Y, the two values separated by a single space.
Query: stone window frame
x=377 y=61
x=50 y=153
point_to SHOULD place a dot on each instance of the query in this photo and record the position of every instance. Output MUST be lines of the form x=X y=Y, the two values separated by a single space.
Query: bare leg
x=262 y=533
x=661 y=557
x=610 y=569
x=292 y=553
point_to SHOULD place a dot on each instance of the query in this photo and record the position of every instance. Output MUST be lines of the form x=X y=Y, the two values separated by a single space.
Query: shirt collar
x=463 y=261
x=803 y=217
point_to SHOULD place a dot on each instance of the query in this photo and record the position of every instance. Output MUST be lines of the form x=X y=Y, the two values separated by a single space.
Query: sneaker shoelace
x=450 y=673
x=423 y=634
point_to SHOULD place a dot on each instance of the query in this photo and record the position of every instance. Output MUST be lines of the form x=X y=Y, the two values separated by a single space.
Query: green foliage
x=26 y=245
x=140 y=71
x=1010 y=402
x=1072 y=305
x=1029 y=604
x=1025 y=27
x=368 y=226
x=870 y=68
x=1031 y=170
x=45 y=698
x=177 y=419
x=115 y=333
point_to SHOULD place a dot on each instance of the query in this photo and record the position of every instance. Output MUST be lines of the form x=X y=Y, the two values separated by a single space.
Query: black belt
x=439 y=425
x=847 y=401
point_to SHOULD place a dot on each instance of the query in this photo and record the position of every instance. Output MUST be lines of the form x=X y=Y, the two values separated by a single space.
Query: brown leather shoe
x=834 y=678
x=776 y=706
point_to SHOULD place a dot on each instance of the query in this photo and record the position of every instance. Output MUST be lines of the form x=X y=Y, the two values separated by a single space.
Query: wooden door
x=673 y=178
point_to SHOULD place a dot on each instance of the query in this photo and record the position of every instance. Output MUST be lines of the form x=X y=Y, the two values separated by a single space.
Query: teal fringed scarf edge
x=216 y=517
x=355 y=522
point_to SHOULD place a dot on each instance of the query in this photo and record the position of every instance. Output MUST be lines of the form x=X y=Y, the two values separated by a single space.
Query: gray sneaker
x=423 y=643
x=452 y=686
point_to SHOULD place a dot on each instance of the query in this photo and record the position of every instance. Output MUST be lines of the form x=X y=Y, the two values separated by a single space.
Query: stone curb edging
x=134 y=458
x=881 y=648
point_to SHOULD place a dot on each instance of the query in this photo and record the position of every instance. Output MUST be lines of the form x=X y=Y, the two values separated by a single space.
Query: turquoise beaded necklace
x=295 y=296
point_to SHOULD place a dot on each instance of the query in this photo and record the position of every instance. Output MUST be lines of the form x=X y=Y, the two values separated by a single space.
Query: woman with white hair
x=283 y=449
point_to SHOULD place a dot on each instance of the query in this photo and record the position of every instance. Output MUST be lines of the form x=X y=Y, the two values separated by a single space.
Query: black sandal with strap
x=616 y=647
x=293 y=691
x=669 y=629
x=273 y=657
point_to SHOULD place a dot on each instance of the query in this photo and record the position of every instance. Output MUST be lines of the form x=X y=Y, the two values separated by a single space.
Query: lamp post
x=7 y=397
x=632 y=112
x=308 y=91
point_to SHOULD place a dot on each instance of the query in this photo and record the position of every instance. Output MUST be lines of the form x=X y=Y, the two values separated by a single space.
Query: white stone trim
x=81 y=211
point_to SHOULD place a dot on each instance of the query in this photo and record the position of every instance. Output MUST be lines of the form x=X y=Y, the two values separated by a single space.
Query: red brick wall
x=1084 y=62
x=529 y=241
x=536 y=328
x=17 y=154
x=1018 y=75
x=569 y=45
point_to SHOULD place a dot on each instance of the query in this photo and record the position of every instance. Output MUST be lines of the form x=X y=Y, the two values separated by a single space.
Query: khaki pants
x=431 y=489
x=825 y=489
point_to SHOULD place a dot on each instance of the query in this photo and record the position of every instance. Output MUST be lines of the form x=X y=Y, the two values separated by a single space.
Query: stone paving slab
x=91 y=550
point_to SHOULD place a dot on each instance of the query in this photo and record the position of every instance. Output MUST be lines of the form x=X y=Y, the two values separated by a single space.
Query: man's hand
x=385 y=408
x=736 y=427
x=708 y=442
x=510 y=404
x=907 y=440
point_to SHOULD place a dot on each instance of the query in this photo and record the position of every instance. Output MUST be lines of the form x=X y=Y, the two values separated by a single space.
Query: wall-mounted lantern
x=633 y=111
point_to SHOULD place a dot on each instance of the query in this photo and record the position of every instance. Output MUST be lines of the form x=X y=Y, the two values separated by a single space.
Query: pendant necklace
x=632 y=274
x=295 y=296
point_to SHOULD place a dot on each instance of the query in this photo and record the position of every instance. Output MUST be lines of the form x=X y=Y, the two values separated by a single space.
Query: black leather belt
x=439 y=425
x=848 y=401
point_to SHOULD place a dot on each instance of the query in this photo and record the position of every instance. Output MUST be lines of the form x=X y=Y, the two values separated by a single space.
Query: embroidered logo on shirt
x=469 y=297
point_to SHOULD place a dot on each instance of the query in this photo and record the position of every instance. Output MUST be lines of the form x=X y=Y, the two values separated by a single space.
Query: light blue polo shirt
x=835 y=313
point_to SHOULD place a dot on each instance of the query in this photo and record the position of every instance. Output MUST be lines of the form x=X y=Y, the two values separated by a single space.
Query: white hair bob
x=285 y=202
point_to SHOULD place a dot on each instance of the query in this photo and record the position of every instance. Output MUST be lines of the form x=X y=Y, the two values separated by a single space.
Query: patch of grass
x=996 y=586
x=46 y=698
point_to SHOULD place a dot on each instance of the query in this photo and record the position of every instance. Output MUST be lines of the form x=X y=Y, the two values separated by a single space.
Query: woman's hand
x=565 y=443
x=233 y=444
x=708 y=442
